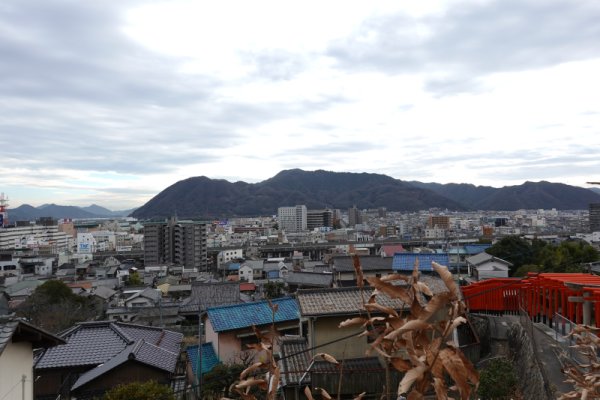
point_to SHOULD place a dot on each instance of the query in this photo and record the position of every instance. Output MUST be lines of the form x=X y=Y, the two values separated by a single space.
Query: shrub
x=498 y=380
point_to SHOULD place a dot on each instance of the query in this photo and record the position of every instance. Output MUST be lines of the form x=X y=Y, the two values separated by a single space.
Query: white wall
x=16 y=360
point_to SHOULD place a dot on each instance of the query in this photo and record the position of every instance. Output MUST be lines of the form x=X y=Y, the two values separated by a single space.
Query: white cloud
x=112 y=104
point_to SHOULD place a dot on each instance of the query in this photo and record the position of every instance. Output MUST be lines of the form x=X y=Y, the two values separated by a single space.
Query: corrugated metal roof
x=257 y=313
x=406 y=261
x=368 y=263
x=209 y=357
x=476 y=248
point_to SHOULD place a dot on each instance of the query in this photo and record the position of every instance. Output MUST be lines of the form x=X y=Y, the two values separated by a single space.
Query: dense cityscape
x=283 y=200
x=151 y=278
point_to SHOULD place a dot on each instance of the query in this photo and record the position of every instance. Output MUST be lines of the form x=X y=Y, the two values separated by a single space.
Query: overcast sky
x=110 y=102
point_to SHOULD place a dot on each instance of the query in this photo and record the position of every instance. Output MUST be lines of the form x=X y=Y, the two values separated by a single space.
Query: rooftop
x=257 y=313
x=93 y=343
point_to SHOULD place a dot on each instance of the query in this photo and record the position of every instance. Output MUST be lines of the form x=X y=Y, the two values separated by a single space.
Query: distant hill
x=595 y=190
x=26 y=212
x=530 y=195
x=202 y=197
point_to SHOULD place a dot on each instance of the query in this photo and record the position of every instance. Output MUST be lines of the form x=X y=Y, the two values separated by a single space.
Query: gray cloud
x=473 y=39
x=276 y=64
x=80 y=94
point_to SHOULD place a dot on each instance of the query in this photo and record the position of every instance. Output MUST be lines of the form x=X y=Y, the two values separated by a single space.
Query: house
x=322 y=310
x=139 y=361
x=485 y=266
x=18 y=339
x=230 y=328
x=388 y=250
x=98 y=355
x=275 y=270
x=205 y=295
x=144 y=298
x=344 y=271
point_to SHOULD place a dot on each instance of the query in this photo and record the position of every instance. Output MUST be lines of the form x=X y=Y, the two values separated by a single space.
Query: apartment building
x=292 y=219
x=176 y=242
x=319 y=219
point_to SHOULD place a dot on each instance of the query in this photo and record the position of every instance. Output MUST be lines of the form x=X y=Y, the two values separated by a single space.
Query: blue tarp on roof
x=406 y=261
x=473 y=249
x=209 y=357
x=234 y=267
x=237 y=316
x=273 y=274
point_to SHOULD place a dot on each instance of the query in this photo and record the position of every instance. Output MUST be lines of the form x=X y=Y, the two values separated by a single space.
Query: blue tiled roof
x=406 y=261
x=209 y=357
x=476 y=248
x=244 y=315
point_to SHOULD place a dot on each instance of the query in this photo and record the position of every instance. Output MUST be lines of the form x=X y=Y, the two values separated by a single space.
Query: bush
x=498 y=380
x=150 y=390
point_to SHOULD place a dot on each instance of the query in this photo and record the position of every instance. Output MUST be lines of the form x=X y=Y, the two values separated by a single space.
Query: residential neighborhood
x=183 y=297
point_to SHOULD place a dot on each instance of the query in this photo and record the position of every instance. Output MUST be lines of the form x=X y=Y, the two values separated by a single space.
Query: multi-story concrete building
x=176 y=242
x=354 y=216
x=594 y=217
x=439 y=221
x=39 y=237
x=319 y=219
x=292 y=219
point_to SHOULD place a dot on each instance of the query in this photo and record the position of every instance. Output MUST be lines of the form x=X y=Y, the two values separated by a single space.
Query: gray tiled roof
x=104 y=292
x=340 y=301
x=140 y=351
x=479 y=258
x=10 y=327
x=309 y=279
x=368 y=263
x=205 y=295
x=295 y=360
x=148 y=293
x=93 y=343
x=6 y=331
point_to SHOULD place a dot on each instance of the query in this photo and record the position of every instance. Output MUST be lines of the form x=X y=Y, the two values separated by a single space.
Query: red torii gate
x=541 y=295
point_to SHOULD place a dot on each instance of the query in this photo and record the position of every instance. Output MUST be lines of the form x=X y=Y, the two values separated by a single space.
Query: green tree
x=514 y=249
x=149 y=390
x=498 y=380
x=216 y=383
x=273 y=290
x=524 y=269
x=134 y=279
x=54 y=307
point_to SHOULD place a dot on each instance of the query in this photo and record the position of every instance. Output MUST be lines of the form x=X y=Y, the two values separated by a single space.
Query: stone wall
x=531 y=381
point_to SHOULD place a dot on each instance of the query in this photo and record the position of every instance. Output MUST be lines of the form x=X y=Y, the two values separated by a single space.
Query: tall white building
x=292 y=219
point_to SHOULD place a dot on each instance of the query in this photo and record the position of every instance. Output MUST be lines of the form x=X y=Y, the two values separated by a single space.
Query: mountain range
x=26 y=212
x=202 y=197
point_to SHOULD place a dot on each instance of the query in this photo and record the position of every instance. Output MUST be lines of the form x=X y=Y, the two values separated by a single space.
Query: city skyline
x=110 y=103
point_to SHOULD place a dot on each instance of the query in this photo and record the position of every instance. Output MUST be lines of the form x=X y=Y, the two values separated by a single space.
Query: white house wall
x=15 y=361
